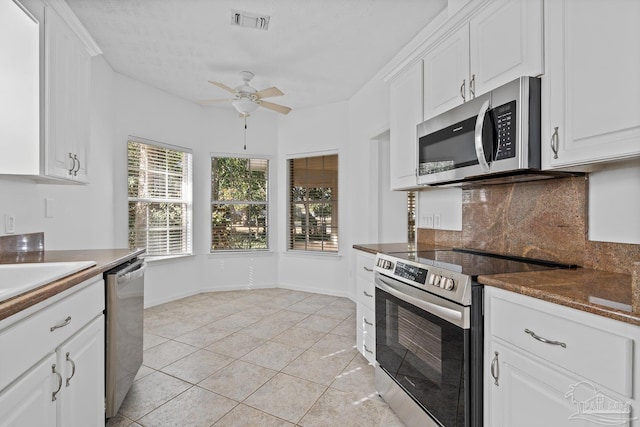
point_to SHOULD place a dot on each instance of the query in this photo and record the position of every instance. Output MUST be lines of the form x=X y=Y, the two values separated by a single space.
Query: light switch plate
x=9 y=223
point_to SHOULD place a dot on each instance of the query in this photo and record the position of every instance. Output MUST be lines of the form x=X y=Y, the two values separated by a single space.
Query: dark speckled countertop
x=105 y=259
x=612 y=295
x=388 y=248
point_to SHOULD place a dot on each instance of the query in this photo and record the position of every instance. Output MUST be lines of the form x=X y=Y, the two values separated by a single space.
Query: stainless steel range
x=429 y=332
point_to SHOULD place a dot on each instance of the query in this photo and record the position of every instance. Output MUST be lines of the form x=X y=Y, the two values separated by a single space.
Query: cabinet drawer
x=366 y=320
x=592 y=353
x=366 y=292
x=369 y=348
x=26 y=342
x=364 y=266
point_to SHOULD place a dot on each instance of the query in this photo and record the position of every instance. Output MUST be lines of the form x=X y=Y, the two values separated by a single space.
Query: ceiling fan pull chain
x=245 y=133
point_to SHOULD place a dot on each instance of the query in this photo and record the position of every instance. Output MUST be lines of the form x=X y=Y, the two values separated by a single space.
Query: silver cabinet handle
x=495 y=368
x=367 y=350
x=73 y=369
x=73 y=165
x=76 y=159
x=555 y=140
x=367 y=322
x=472 y=86
x=64 y=323
x=53 y=370
x=366 y=294
x=367 y=269
x=464 y=81
x=544 y=340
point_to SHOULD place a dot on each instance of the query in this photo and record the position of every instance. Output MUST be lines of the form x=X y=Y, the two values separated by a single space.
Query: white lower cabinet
x=28 y=402
x=81 y=362
x=53 y=363
x=549 y=365
x=365 y=305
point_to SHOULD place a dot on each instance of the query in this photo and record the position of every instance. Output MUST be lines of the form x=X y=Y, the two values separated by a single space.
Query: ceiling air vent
x=249 y=20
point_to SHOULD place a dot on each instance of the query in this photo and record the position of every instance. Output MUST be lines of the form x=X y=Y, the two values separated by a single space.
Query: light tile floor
x=266 y=357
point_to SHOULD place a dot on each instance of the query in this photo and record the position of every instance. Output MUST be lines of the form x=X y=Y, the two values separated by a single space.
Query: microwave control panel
x=505 y=126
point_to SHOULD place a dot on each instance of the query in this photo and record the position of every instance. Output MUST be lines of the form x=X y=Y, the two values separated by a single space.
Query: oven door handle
x=451 y=315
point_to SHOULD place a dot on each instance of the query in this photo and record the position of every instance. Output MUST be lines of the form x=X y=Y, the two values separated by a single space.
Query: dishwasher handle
x=131 y=272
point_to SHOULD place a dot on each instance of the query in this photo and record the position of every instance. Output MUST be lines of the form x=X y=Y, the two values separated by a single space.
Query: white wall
x=614 y=205
x=83 y=214
x=316 y=131
x=446 y=202
x=148 y=113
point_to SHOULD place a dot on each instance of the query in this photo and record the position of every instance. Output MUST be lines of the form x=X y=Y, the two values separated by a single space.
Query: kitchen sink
x=18 y=278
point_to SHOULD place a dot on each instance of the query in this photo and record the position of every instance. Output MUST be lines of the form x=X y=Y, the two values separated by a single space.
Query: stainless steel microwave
x=497 y=133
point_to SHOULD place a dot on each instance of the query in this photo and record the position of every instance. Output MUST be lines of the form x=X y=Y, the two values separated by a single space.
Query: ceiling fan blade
x=222 y=86
x=269 y=92
x=211 y=101
x=275 y=107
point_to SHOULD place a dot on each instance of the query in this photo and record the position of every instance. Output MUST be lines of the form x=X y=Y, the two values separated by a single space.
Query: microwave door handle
x=482 y=159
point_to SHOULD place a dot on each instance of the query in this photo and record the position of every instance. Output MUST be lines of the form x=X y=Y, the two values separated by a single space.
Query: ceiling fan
x=246 y=99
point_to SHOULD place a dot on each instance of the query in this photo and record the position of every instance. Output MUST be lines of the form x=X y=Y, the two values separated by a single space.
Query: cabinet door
x=405 y=95
x=81 y=402
x=528 y=394
x=591 y=90
x=28 y=401
x=446 y=74
x=505 y=43
x=67 y=89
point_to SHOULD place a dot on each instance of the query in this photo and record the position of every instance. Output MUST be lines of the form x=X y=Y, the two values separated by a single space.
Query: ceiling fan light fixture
x=244 y=106
x=258 y=21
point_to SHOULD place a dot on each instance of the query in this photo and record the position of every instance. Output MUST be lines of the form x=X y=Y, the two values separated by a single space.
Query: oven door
x=423 y=344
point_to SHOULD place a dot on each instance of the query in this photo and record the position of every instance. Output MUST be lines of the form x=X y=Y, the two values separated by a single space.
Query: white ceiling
x=315 y=51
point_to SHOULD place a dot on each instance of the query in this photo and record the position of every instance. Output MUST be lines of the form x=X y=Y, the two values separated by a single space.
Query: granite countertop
x=105 y=259
x=599 y=292
x=388 y=248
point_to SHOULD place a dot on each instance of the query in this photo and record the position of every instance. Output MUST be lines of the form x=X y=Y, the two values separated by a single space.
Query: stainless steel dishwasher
x=124 y=325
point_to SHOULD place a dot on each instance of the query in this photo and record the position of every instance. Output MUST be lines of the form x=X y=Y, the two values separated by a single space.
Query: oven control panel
x=435 y=278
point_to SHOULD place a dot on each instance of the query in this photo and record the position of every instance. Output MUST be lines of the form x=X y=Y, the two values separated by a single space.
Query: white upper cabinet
x=591 y=89
x=19 y=89
x=406 y=113
x=52 y=138
x=505 y=43
x=502 y=42
x=446 y=74
x=67 y=80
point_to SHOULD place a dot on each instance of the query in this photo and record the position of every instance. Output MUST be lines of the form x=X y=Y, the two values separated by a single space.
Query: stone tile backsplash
x=540 y=219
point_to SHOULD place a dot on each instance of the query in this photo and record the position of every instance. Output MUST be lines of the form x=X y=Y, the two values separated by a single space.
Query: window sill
x=166 y=258
x=313 y=254
x=235 y=253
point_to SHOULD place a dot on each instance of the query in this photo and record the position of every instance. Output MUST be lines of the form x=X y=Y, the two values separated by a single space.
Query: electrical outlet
x=436 y=221
x=427 y=220
x=9 y=223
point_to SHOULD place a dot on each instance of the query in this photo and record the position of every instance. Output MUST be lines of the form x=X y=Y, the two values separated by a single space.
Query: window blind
x=313 y=203
x=160 y=201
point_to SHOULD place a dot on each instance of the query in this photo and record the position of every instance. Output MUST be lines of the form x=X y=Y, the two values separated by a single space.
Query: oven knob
x=449 y=284
x=388 y=265
x=436 y=281
x=432 y=279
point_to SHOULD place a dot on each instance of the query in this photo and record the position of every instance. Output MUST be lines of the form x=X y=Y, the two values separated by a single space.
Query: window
x=411 y=216
x=159 y=182
x=239 y=203
x=313 y=203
